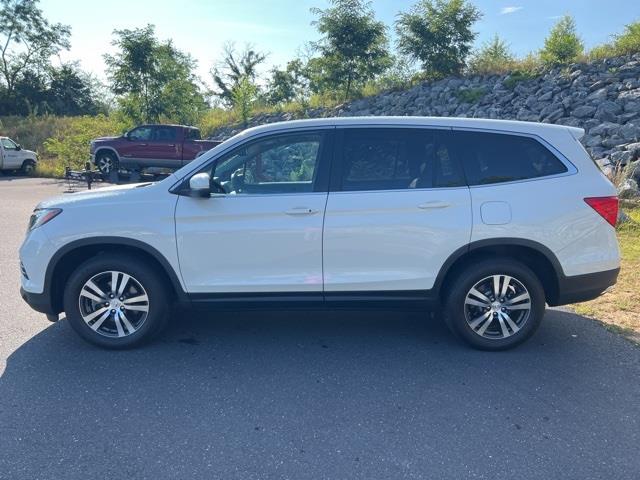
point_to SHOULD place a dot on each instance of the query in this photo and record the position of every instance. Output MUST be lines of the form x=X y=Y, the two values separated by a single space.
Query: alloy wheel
x=105 y=164
x=497 y=307
x=113 y=304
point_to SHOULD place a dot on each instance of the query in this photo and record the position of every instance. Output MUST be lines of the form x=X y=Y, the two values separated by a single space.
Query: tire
x=28 y=168
x=124 y=323
x=489 y=322
x=106 y=162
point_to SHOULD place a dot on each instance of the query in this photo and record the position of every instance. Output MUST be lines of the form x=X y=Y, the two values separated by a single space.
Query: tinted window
x=192 y=134
x=395 y=159
x=164 y=134
x=140 y=133
x=494 y=158
x=279 y=164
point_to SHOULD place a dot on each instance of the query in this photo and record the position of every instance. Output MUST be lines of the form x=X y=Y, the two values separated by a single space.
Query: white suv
x=488 y=220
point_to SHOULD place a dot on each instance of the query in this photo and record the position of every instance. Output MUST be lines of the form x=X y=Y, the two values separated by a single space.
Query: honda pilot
x=483 y=221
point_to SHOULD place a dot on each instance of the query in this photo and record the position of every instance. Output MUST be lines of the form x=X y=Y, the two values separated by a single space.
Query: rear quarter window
x=490 y=158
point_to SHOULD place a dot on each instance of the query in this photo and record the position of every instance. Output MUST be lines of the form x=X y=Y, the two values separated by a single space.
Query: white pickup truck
x=14 y=157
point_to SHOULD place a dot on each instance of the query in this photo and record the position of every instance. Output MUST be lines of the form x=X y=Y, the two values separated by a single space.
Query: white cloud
x=510 y=9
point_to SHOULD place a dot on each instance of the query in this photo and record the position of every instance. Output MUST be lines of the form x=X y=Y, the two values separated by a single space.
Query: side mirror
x=200 y=185
x=18 y=147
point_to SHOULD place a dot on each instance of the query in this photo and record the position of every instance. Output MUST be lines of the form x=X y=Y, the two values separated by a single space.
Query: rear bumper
x=40 y=302
x=580 y=288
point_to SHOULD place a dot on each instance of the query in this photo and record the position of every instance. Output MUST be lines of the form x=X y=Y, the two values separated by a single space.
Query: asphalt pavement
x=306 y=394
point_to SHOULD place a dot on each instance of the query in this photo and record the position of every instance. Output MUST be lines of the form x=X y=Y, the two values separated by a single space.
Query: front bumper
x=581 y=288
x=40 y=302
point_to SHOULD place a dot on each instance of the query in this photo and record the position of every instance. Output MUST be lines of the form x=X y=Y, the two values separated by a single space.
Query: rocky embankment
x=602 y=97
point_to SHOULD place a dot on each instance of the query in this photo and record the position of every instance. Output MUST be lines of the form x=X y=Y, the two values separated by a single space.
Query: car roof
x=166 y=125
x=438 y=122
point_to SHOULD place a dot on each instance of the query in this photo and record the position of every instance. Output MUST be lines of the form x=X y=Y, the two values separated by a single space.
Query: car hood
x=98 y=195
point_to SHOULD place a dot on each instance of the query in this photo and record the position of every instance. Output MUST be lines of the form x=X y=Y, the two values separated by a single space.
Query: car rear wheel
x=28 y=167
x=106 y=162
x=116 y=301
x=495 y=304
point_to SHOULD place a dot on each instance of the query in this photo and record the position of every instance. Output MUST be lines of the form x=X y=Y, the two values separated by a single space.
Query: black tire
x=459 y=316
x=28 y=168
x=152 y=283
x=106 y=162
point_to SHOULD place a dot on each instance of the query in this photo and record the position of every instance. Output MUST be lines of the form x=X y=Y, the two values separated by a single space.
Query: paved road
x=307 y=395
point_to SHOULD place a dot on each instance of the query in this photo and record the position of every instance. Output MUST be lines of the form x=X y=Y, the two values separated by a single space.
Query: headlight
x=41 y=216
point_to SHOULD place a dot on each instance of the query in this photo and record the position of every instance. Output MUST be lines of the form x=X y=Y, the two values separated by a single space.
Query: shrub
x=244 y=96
x=215 y=118
x=69 y=144
x=470 y=95
x=627 y=43
x=493 y=57
x=563 y=45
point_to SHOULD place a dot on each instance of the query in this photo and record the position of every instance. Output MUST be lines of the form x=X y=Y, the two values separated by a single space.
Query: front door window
x=279 y=164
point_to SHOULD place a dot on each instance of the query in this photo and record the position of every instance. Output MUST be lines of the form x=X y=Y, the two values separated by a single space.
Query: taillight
x=607 y=207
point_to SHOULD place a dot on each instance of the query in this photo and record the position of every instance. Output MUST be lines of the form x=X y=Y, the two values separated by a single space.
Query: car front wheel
x=495 y=304
x=116 y=301
x=28 y=167
x=106 y=163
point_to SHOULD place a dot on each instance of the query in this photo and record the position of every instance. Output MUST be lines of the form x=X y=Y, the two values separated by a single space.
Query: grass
x=470 y=95
x=619 y=308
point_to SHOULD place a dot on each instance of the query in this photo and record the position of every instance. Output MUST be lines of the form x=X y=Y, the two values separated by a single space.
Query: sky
x=283 y=27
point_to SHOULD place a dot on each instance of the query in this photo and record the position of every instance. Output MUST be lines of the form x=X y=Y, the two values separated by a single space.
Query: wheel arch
x=66 y=260
x=540 y=259
x=100 y=150
x=28 y=161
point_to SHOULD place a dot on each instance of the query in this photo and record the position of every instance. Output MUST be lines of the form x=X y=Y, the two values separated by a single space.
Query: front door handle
x=434 y=204
x=301 y=211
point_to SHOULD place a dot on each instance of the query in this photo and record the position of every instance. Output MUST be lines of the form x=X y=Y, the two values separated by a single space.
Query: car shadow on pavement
x=247 y=389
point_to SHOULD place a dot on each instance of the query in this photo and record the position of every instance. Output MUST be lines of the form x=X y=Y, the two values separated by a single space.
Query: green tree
x=287 y=85
x=234 y=68
x=563 y=45
x=493 y=57
x=353 y=48
x=153 y=79
x=628 y=42
x=27 y=42
x=438 y=34
x=72 y=92
x=243 y=96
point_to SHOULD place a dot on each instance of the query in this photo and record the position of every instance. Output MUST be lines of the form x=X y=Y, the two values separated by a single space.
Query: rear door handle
x=434 y=204
x=301 y=211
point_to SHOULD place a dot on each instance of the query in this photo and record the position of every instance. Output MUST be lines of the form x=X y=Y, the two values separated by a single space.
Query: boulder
x=583 y=111
x=630 y=132
x=628 y=189
x=621 y=157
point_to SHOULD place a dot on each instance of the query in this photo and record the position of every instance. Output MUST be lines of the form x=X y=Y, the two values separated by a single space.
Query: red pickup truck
x=168 y=146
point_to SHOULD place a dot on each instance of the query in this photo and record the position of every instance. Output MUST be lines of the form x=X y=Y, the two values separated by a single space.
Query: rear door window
x=495 y=157
x=164 y=134
x=192 y=134
x=397 y=159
